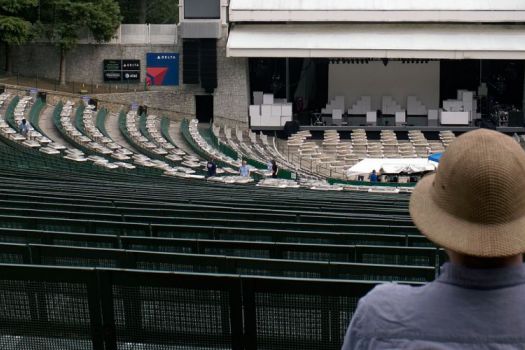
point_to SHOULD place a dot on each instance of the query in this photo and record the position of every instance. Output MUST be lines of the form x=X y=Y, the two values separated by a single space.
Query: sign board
x=130 y=64
x=162 y=69
x=33 y=93
x=112 y=65
x=121 y=70
x=131 y=76
x=112 y=76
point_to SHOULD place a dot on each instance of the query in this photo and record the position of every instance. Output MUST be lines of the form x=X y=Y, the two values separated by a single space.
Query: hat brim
x=463 y=236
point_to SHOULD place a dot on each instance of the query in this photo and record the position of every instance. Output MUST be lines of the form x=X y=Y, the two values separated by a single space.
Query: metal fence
x=41 y=83
x=87 y=308
x=144 y=34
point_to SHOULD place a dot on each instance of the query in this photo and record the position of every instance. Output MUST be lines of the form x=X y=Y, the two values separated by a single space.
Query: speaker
x=94 y=102
x=42 y=95
x=487 y=124
x=516 y=119
x=291 y=128
x=190 y=61
x=208 y=64
x=143 y=109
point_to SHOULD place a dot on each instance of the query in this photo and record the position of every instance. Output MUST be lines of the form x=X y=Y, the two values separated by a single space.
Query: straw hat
x=475 y=203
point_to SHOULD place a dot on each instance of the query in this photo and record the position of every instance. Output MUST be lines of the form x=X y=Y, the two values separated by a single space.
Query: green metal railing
x=227 y=150
x=101 y=122
x=10 y=112
x=79 y=120
x=34 y=115
x=367 y=183
x=100 y=308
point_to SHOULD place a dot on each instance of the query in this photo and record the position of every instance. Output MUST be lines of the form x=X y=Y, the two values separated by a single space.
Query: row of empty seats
x=87 y=143
x=260 y=148
x=331 y=155
x=160 y=252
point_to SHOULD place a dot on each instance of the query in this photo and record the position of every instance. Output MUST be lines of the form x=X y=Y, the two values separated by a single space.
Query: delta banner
x=162 y=69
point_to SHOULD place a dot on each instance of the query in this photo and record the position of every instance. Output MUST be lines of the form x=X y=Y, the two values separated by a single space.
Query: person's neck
x=485 y=263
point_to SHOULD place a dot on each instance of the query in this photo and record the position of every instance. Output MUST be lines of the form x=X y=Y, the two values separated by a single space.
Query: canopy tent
x=436 y=157
x=400 y=40
x=392 y=166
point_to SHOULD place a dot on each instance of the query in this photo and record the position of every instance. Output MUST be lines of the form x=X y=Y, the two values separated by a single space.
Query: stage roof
x=419 y=41
x=377 y=10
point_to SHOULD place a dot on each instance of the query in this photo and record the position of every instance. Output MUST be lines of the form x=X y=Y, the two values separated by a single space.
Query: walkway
x=113 y=129
x=45 y=122
x=176 y=136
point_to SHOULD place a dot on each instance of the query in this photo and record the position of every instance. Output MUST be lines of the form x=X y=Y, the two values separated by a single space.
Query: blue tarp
x=435 y=157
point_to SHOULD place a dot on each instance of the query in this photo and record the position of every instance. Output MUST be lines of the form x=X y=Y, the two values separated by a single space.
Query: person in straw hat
x=474 y=207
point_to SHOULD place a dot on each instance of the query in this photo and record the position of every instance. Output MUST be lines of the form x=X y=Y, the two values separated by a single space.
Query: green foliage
x=15 y=6
x=155 y=11
x=15 y=28
x=104 y=19
x=64 y=20
x=163 y=12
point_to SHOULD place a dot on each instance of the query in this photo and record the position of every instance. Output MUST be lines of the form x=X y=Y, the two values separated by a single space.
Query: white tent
x=392 y=166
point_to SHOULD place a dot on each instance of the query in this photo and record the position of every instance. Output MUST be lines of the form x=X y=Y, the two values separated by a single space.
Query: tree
x=150 y=11
x=15 y=29
x=143 y=6
x=163 y=11
x=65 y=19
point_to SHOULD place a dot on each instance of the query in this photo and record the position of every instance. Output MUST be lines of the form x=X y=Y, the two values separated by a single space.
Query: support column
x=287 y=79
x=523 y=104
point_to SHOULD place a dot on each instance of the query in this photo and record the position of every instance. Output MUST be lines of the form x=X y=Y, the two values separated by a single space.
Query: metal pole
x=523 y=110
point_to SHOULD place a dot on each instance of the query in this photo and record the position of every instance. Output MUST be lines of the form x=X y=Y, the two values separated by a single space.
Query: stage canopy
x=377 y=11
x=392 y=166
x=418 y=41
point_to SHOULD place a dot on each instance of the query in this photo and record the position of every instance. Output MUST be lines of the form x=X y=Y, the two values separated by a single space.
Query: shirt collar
x=482 y=278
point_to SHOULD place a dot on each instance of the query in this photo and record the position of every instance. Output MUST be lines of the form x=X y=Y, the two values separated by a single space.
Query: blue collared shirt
x=463 y=309
x=244 y=170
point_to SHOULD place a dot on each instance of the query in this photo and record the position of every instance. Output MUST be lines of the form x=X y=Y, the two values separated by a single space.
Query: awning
x=423 y=41
x=379 y=5
x=390 y=11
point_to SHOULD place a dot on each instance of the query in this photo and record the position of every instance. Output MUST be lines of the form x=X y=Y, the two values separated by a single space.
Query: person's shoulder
x=391 y=292
x=388 y=299
x=384 y=304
